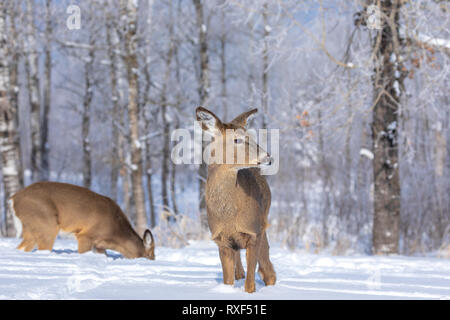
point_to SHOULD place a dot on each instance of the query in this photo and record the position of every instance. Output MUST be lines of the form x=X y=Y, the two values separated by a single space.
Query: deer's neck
x=222 y=173
x=132 y=246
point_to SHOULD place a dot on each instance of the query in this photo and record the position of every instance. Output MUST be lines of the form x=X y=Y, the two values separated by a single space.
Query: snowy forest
x=90 y=92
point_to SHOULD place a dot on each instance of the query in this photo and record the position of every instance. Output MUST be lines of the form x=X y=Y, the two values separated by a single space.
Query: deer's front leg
x=227 y=260
x=252 y=257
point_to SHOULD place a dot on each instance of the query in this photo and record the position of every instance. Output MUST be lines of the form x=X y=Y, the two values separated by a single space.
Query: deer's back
x=237 y=203
x=76 y=209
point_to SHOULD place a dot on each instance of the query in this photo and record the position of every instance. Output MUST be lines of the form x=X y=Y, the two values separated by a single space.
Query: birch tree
x=9 y=139
x=164 y=112
x=265 y=65
x=45 y=147
x=129 y=11
x=86 y=113
x=149 y=115
x=223 y=64
x=112 y=48
x=203 y=94
x=34 y=96
x=15 y=51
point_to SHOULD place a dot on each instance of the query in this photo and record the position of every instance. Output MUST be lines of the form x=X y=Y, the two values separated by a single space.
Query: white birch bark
x=9 y=139
x=31 y=66
x=129 y=9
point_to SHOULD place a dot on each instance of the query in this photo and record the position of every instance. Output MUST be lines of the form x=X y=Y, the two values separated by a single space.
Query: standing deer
x=42 y=209
x=238 y=199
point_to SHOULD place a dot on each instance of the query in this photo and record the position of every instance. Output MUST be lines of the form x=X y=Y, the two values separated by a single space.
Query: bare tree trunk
x=123 y=155
x=86 y=116
x=173 y=178
x=165 y=122
x=203 y=92
x=223 y=66
x=14 y=65
x=45 y=147
x=362 y=183
x=441 y=147
x=165 y=157
x=31 y=66
x=130 y=11
x=446 y=189
x=345 y=210
x=325 y=175
x=115 y=159
x=148 y=172
x=148 y=115
x=148 y=155
x=265 y=65
x=9 y=138
x=387 y=90
x=251 y=69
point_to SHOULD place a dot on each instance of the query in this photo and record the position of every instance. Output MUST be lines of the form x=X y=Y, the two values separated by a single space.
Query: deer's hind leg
x=239 y=272
x=28 y=243
x=46 y=241
x=42 y=230
x=266 y=270
x=227 y=256
x=46 y=235
x=252 y=253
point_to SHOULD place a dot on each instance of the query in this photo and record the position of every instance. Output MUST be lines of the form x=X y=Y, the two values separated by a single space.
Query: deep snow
x=194 y=272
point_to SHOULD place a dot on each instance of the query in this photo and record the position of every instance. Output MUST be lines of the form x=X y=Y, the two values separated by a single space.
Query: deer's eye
x=238 y=140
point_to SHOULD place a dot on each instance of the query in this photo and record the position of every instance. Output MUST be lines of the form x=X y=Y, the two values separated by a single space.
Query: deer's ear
x=243 y=119
x=208 y=120
x=148 y=239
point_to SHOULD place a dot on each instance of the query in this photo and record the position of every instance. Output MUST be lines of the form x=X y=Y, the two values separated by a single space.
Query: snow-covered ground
x=194 y=272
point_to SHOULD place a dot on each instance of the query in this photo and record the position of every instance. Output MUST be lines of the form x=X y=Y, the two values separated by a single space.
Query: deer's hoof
x=270 y=281
x=250 y=287
x=240 y=275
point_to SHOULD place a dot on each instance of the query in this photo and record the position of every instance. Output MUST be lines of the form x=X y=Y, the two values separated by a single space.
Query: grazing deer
x=238 y=199
x=98 y=223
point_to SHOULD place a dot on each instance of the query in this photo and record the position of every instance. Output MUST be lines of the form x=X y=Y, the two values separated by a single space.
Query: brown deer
x=98 y=223
x=237 y=199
